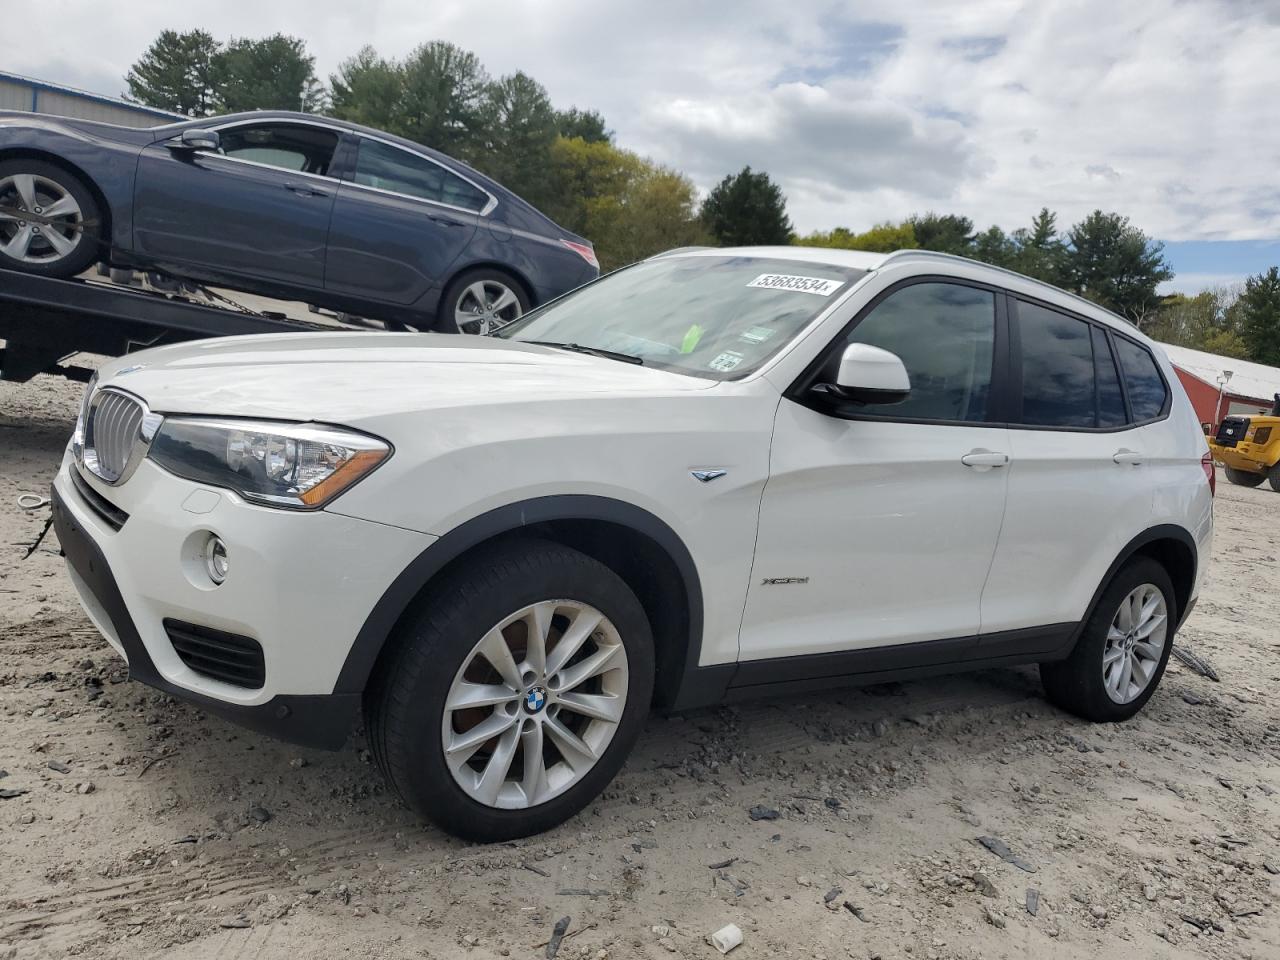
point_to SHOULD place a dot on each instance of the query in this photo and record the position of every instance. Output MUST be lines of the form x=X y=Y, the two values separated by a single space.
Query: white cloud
x=991 y=108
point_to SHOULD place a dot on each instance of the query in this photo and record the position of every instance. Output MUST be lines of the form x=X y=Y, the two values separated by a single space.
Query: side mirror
x=871 y=375
x=196 y=139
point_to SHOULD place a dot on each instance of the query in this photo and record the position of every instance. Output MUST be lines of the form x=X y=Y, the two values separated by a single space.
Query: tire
x=1077 y=684
x=495 y=297
x=408 y=715
x=1273 y=477
x=28 y=246
x=1244 y=478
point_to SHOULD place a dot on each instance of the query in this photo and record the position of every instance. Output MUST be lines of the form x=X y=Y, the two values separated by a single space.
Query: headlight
x=302 y=466
x=77 y=438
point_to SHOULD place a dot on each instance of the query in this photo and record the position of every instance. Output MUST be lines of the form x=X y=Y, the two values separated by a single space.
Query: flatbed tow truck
x=45 y=322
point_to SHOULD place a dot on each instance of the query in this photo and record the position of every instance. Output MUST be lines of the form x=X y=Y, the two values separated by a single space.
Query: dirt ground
x=148 y=829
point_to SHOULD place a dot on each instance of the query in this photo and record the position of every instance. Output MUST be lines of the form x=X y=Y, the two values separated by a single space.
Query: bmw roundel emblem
x=535 y=699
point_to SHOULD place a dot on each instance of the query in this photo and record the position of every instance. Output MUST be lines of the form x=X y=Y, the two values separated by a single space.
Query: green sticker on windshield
x=690 y=342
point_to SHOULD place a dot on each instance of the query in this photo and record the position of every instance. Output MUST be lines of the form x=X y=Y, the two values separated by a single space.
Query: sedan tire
x=50 y=223
x=481 y=302
x=517 y=690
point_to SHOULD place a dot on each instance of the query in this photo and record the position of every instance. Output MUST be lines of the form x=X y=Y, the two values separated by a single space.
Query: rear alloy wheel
x=1244 y=478
x=48 y=220
x=518 y=689
x=1121 y=655
x=482 y=302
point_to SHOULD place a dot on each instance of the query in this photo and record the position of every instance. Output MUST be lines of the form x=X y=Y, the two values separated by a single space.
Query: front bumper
x=300 y=584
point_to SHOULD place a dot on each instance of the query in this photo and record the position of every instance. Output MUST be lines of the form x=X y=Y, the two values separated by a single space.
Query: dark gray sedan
x=286 y=205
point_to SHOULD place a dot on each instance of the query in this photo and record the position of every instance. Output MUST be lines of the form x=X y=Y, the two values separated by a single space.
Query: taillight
x=1206 y=462
x=584 y=250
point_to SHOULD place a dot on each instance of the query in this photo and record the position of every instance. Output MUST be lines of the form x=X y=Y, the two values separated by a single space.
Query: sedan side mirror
x=196 y=139
x=871 y=375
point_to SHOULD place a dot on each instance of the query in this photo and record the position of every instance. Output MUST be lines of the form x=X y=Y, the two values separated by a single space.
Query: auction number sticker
x=785 y=281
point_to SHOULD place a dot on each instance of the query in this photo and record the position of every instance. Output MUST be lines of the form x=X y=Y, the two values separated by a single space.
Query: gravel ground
x=144 y=828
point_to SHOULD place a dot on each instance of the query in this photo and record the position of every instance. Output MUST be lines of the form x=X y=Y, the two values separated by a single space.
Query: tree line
x=565 y=162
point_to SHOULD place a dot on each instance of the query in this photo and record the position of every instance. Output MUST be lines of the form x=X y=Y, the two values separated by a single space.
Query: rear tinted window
x=386 y=167
x=1147 y=392
x=1057 y=369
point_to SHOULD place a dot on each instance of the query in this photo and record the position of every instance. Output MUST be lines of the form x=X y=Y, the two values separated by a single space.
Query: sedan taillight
x=1206 y=462
x=584 y=250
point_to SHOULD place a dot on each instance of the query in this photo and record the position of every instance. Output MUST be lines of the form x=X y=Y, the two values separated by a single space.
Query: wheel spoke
x=1141 y=671
x=504 y=300
x=465 y=695
x=64 y=206
x=1112 y=654
x=61 y=245
x=1115 y=633
x=572 y=640
x=538 y=625
x=1149 y=627
x=576 y=753
x=1126 y=676
x=535 y=766
x=499 y=765
x=494 y=649
x=19 y=243
x=25 y=184
x=1150 y=651
x=463 y=745
x=597 y=706
x=1112 y=677
x=592 y=666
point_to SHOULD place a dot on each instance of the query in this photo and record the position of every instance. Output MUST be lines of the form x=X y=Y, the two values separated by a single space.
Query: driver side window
x=945 y=335
x=299 y=147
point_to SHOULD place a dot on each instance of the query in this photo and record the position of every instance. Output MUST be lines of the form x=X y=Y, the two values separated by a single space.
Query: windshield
x=719 y=317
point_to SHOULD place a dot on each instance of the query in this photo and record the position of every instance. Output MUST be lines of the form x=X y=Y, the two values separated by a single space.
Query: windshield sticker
x=726 y=361
x=784 y=281
x=756 y=335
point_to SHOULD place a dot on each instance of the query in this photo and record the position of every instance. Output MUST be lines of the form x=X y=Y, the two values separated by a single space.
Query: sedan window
x=385 y=167
x=299 y=147
x=719 y=317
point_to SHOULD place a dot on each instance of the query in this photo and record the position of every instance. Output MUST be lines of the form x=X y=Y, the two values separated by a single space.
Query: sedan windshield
x=719 y=317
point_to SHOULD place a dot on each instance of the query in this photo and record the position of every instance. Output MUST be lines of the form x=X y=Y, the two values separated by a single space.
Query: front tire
x=1245 y=478
x=481 y=302
x=516 y=693
x=66 y=235
x=1121 y=655
x=1273 y=477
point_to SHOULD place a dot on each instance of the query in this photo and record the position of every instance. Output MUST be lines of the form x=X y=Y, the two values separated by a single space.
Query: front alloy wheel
x=514 y=690
x=535 y=704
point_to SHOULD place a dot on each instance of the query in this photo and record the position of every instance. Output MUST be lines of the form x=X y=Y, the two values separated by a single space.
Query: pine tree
x=746 y=209
x=176 y=73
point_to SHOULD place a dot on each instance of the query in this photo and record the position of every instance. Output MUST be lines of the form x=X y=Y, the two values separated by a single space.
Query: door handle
x=446 y=221
x=303 y=190
x=984 y=458
x=1126 y=456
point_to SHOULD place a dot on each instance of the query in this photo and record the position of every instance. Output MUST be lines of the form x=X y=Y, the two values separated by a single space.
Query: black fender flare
x=511 y=518
x=1164 y=531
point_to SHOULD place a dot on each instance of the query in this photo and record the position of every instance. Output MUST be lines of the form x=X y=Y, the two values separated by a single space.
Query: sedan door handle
x=1126 y=456
x=447 y=221
x=302 y=190
x=984 y=458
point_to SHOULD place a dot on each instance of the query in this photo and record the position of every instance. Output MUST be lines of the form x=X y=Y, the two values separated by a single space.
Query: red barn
x=1250 y=388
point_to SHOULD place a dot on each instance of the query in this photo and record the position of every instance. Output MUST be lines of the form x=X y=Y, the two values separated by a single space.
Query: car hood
x=353 y=377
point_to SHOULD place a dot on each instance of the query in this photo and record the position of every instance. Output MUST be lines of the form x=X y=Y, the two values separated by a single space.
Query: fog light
x=215 y=558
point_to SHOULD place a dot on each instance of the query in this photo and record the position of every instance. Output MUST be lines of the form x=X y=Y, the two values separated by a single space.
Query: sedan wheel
x=40 y=221
x=485 y=306
x=1135 y=643
x=535 y=704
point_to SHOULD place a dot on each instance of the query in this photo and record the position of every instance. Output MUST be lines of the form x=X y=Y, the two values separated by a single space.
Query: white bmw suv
x=711 y=475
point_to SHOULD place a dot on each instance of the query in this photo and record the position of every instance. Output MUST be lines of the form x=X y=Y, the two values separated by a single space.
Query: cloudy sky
x=1165 y=110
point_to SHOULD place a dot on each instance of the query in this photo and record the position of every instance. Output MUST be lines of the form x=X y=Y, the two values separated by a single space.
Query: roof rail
x=951 y=257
